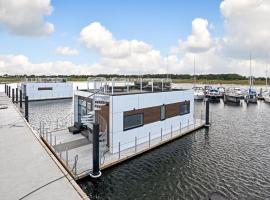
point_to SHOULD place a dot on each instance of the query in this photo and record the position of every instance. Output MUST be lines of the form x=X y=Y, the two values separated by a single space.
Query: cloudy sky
x=134 y=37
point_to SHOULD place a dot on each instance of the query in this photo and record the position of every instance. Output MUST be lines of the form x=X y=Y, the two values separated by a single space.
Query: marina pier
x=28 y=169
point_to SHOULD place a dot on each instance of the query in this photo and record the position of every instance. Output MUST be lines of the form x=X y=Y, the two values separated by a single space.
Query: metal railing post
x=171 y=131
x=119 y=151
x=67 y=156
x=149 y=139
x=50 y=139
x=135 y=144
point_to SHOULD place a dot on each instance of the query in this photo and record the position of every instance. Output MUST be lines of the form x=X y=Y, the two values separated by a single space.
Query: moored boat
x=233 y=95
x=198 y=93
x=213 y=95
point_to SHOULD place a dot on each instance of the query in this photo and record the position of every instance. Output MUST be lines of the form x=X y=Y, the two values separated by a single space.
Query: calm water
x=232 y=157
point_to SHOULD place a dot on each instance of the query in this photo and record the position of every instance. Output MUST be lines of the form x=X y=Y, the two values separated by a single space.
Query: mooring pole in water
x=9 y=91
x=16 y=95
x=12 y=95
x=26 y=108
x=96 y=170
x=5 y=88
x=20 y=98
x=207 y=113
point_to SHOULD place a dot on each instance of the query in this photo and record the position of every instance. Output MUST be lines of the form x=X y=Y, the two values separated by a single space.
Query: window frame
x=45 y=88
x=186 y=103
x=162 y=118
x=136 y=126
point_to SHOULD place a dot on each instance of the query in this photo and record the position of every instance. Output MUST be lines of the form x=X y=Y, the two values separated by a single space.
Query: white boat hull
x=267 y=99
x=234 y=99
x=198 y=97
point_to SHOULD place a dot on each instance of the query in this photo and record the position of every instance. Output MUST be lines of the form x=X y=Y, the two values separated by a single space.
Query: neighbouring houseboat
x=46 y=88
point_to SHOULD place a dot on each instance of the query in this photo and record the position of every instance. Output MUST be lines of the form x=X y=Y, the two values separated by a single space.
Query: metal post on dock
x=135 y=144
x=9 y=91
x=12 y=95
x=5 y=88
x=119 y=150
x=26 y=108
x=207 y=113
x=96 y=170
x=16 y=95
x=20 y=98
x=149 y=139
x=67 y=156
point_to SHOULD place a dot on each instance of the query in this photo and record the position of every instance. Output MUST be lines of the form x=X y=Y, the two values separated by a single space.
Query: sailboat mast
x=194 y=75
x=250 y=78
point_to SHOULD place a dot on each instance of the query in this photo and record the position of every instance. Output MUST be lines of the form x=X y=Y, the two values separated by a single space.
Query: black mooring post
x=8 y=91
x=26 y=108
x=5 y=88
x=20 y=98
x=207 y=113
x=96 y=171
x=12 y=95
x=16 y=95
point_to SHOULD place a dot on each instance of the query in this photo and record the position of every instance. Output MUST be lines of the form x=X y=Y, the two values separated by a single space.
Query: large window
x=162 y=112
x=184 y=108
x=133 y=121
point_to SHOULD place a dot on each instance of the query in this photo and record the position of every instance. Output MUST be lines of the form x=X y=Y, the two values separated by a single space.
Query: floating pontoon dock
x=75 y=151
x=28 y=170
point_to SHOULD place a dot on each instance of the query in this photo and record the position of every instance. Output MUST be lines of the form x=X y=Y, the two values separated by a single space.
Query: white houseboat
x=128 y=109
x=46 y=88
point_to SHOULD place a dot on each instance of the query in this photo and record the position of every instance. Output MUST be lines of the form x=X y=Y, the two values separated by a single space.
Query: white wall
x=122 y=103
x=60 y=90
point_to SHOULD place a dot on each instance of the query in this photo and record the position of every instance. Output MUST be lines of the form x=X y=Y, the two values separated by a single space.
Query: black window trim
x=129 y=128
x=164 y=112
x=184 y=103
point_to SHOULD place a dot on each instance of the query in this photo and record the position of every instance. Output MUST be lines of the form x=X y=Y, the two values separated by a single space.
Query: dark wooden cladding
x=172 y=110
x=152 y=114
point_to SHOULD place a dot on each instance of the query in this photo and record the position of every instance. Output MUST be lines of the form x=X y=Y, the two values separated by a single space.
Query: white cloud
x=247 y=27
x=123 y=56
x=25 y=17
x=67 y=51
x=200 y=40
x=98 y=38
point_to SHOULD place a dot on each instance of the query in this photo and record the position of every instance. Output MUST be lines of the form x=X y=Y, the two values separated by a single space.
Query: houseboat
x=46 y=88
x=128 y=109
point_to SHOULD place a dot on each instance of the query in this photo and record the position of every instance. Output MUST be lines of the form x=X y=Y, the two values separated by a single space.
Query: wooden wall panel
x=172 y=110
x=152 y=114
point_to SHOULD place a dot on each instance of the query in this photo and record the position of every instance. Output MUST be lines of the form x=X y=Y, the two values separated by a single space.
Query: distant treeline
x=225 y=77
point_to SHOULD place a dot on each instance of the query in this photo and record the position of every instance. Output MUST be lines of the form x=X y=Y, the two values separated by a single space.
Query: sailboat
x=251 y=96
x=198 y=91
